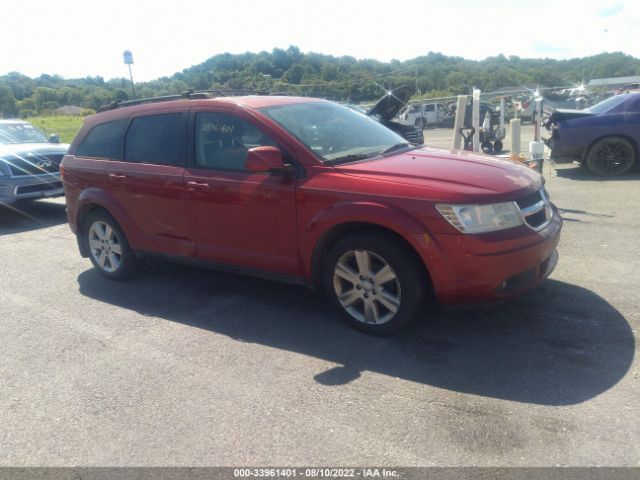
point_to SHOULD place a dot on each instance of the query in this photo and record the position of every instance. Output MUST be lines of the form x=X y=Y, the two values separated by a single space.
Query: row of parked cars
x=300 y=190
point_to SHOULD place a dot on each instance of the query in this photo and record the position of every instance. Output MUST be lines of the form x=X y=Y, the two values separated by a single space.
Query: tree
x=8 y=105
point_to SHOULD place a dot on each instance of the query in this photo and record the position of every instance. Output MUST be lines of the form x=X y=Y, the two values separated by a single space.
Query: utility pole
x=128 y=60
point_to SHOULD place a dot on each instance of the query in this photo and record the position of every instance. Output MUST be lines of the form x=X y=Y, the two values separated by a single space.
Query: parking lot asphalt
x=182 y=366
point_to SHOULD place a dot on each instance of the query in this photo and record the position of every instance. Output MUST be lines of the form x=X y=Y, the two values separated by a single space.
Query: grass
x=65 y=126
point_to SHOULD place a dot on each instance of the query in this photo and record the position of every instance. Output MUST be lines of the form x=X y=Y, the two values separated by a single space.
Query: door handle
x=195 y=185
x=117 y=176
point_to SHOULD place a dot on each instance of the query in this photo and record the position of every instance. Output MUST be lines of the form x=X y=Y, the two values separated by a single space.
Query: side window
x=103 y=141
x=156 y=139
x=222 y=141
x=429 y=108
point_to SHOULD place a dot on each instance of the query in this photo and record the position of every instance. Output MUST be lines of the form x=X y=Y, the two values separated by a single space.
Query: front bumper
x=561 y=153
x=30 y=187
x=488 y=268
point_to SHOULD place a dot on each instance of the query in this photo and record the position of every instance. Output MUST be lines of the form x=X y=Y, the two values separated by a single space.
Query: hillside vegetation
x=314 y=74
x=65 y=126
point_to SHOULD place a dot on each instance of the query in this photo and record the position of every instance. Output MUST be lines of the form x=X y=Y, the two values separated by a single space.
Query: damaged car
x=604 y=138
x=387 y=109
x=29 y=163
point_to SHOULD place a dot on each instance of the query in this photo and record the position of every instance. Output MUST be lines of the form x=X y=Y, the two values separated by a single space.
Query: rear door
x=149 y=181
x=239 y=217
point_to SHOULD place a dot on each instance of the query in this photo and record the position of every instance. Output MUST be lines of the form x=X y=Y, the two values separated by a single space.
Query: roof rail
x=187 y=95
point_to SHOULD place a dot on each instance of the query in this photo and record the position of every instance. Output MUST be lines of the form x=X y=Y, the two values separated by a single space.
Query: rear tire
x=109 y=250
x=375 y=283
x=610 y=156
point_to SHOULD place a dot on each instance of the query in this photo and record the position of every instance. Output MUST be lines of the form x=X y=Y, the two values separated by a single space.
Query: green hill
x=314 y=74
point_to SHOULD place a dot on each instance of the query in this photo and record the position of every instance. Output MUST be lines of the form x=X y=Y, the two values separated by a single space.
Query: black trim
x=227 y=268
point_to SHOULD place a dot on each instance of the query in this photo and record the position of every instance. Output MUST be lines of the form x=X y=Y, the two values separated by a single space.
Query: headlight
x=482 y=218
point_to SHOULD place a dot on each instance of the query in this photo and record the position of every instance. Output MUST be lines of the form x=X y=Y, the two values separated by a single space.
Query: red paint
x=273 y=221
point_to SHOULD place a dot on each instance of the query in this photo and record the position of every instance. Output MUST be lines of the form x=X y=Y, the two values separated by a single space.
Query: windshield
x=20 y=133
x=605 y=105
x=334 y=132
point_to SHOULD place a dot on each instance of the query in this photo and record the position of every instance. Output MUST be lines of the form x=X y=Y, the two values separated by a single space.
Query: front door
x=238 y=217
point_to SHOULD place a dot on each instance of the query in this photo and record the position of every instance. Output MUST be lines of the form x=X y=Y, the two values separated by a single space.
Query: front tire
x=375 y=283
x=610 y=156
x=109 y=250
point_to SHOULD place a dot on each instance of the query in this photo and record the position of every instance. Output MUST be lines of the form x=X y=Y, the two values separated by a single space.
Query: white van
x=424 y=115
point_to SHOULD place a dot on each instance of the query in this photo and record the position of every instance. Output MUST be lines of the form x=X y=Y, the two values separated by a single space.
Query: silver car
x=29 y=163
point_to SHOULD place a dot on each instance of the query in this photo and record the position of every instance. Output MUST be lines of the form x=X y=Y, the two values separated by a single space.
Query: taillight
x=61 y=171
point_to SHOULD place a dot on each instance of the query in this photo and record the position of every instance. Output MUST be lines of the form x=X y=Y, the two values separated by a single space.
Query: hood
x=39 y=148
x=565 y=114
x=389 y=105
x=453 y=171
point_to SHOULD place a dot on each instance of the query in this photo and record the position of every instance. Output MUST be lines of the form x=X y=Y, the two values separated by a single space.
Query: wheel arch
x=92 y=200
x=341 y=230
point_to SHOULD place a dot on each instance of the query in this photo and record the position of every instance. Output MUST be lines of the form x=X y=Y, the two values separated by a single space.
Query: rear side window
x=156 y=139
x=103 y=141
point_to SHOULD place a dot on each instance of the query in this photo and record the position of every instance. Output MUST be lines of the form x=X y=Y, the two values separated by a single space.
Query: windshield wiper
x=395 y=147
x=349 y=158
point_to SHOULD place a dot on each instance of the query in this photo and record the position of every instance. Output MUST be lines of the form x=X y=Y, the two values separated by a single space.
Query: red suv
x=310 y=192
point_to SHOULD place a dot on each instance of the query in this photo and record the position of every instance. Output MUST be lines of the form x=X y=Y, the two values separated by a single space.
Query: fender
x=376 y=214
x=105 y=200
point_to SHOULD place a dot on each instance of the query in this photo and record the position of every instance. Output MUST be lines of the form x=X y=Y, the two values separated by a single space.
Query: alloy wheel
x=367 y=287
x=105 y=246
x=612 y=158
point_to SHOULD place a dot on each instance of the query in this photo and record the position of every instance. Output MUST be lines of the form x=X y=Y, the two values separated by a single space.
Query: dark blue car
x=605 y=138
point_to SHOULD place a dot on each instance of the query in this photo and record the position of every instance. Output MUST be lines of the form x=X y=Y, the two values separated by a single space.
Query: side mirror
x=264 y=159
x=54 y=138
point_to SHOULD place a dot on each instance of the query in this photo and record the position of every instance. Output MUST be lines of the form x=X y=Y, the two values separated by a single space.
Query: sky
x=79 y=38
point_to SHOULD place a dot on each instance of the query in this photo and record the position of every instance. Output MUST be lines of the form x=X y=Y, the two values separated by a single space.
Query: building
x=613 y=82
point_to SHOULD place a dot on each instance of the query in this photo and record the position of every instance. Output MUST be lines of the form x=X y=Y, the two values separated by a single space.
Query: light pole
x=128 y=60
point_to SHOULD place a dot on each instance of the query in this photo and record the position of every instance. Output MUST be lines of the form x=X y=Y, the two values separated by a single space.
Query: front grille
x=536 y=209
x=413 y=134
x=41 y=187
x=415 y=137
x=33 y=164
x=537 y=219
